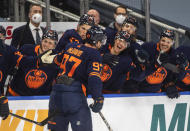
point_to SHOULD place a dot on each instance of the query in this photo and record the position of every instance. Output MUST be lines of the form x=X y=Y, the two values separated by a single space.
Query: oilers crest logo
x=35 y=78
x=157 y=77
x=106 y=73
x=1 y=75
x=186 y=79
x=73 y=40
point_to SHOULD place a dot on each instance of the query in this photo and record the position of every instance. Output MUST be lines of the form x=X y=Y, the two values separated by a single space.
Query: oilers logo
x=186 y=79
x=157 y=77
x=35 y=78
x=106 y=73
x=74 y=40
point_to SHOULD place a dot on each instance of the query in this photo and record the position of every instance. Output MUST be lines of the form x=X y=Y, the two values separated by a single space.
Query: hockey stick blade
x=42 y=123
x=105 y=121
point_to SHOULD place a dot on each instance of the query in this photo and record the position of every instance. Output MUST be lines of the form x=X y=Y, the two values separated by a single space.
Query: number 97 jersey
x=84 y=64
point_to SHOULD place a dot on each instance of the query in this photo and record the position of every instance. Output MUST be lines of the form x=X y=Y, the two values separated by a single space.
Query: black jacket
x=23 y=35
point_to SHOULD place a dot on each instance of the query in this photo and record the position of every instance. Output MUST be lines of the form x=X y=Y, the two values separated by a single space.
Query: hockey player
x=35 y=78
x=9 y=57
x=184 y=83
x=161 y=53
x=76 y=36
x=113 y=77
x=79 y=64
x=4 y=108
x=138 y=55
x=131 y=25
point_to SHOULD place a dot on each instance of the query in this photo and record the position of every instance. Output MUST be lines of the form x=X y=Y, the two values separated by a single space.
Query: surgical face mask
x=120 y=19
x=37 y=18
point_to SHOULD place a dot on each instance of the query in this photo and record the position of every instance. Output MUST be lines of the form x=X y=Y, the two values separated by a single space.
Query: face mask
x=120 y=19
x=37 y=18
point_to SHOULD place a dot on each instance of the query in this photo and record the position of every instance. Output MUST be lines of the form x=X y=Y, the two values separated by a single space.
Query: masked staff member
x=35 y=78
x=32 y=32
x=120 y=14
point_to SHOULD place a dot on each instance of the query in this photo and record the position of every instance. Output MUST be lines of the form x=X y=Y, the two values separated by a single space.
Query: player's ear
x=98 y=44
x=78 y=26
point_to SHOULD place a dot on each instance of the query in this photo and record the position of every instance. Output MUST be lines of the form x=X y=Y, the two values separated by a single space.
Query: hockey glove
x=97 y=105
x=142 y=56
x=182 y=61
x=47 y=58
x=171 y=91
x=111 y=60
x=164 y=58
x=4 y=107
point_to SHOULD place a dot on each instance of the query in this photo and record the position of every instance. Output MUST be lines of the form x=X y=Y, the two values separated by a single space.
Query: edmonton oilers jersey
x=9 y=57
x=114 y=77
x=34 y=78
x=82 y=63
x=69 y=36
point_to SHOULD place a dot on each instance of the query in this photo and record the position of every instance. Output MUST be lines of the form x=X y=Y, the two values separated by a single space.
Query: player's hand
x=111 y=60
x=142 y=56
x=163 y=58
x=97 y=105
x=182 y=61
x=47 y=57
x=172 y=91
x=4 y=107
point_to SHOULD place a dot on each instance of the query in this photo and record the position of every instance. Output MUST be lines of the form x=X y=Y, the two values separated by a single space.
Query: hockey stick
x=171 y=67
x=168 y=66
x=42 y=123
x=105 y=121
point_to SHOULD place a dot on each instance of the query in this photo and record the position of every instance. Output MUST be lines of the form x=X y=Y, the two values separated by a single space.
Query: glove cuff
x=99 y=99
x=169 y=84
x=3 y=100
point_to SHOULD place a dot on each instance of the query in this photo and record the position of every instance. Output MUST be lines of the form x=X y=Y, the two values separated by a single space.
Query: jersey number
x=68 y=58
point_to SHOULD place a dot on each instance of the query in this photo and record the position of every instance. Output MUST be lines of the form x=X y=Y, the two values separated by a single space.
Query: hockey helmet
x=124 y=36
x=131 y=20
x=95 y=34
x=51 y=34
x=168 y=33
x=86 y=19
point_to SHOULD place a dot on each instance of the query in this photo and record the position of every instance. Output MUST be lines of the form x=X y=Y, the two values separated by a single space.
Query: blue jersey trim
x=105 y=95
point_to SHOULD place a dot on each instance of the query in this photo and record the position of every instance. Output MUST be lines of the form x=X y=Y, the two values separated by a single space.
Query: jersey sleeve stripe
x=94 y=74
